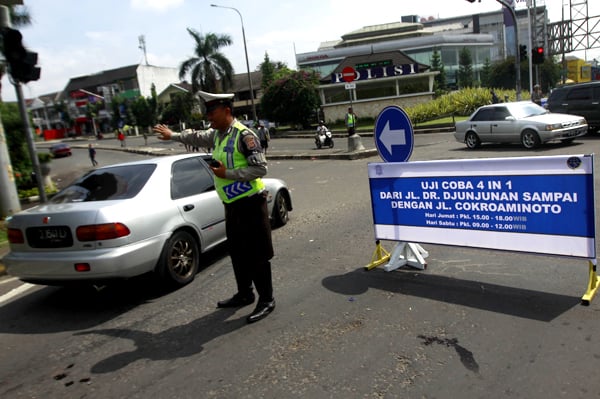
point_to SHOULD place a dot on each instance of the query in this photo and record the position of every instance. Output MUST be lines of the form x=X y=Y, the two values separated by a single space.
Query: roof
x=101 y=78
x=240 y=81
x=382 y=32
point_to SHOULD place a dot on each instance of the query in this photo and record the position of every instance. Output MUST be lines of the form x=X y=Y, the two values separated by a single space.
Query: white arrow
x=391 y=137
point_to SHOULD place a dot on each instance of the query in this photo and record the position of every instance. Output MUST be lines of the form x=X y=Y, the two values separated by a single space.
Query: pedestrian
x=121 y=138
x=145 y=138
x=263 y=136
x=495 y=99
x=92 y=152
x=239 y=164
x=351 y=120
x=536 y=95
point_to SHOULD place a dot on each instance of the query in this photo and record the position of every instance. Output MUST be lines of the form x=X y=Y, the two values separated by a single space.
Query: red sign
x=348 y=74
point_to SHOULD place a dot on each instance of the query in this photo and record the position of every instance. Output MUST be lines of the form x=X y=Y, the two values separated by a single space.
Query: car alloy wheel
x=179 y=260
x=280 y=211
x=472 y=140
x=530 y=139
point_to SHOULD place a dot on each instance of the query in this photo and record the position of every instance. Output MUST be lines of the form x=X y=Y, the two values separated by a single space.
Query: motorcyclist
x=321 y=129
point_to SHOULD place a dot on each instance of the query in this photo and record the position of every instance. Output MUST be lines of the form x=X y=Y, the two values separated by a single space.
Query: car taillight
x=15 y=236
x=99 y=232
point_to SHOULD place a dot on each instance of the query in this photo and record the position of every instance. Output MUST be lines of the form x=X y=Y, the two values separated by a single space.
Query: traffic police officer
x=239 y=165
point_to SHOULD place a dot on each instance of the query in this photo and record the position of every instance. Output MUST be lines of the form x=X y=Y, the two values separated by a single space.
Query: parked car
x=156 y=215
x=60 y=150
x=579 y=99
x=518 y=122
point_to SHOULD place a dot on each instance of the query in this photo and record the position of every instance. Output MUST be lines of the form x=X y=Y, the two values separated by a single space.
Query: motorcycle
x=324 y=138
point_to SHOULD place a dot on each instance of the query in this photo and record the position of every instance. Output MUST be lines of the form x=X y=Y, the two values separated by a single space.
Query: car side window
x=501 y=113
x=583 y=93
x=190 y=177
x=486 y=114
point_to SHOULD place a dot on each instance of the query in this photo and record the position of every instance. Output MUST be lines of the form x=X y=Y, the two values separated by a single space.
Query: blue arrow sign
x=394 y=137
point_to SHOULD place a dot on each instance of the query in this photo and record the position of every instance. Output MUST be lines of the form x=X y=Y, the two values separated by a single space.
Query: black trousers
x=250 y=245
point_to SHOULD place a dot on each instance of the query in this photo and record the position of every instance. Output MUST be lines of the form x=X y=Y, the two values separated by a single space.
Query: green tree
x=208 y=68
x=465 y=68
x=485 y=73
x=179 y=110
x=439 y=85
x=292 y=99
x=145 y=110
x=268 y=71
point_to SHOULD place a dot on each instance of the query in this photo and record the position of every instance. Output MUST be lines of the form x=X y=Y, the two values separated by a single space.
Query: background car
x=156 y=215
x=60 y=150
x=579 y=99
x=518 y=122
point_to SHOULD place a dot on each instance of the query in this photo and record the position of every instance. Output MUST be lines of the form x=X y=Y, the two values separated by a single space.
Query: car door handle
x=495 y=125
x=188 y=208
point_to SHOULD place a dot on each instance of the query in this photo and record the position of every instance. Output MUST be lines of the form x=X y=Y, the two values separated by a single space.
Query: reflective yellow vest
x=226 y=151
x=350 y=120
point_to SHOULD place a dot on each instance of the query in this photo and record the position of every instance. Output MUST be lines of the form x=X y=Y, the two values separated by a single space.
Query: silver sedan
x=518 y=122
x=156 y=215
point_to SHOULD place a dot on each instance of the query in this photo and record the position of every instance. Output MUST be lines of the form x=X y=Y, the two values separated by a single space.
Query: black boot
x=261 y=311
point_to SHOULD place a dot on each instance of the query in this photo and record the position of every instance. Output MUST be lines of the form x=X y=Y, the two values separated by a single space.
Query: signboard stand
x=592 y=284
x=380 y=256
x=407 y=253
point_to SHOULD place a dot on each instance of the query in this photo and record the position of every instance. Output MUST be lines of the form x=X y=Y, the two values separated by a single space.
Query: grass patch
x=3 y=234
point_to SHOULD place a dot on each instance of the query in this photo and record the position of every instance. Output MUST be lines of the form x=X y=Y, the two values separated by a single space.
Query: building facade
x=489 y=37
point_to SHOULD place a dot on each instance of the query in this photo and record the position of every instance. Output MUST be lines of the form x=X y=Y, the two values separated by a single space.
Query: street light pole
x=247 y=63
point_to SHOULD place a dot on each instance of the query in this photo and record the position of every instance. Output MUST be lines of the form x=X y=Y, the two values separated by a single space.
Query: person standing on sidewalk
x=263 y=135
x=238 y=166
x=92 y=152
x=350 y=120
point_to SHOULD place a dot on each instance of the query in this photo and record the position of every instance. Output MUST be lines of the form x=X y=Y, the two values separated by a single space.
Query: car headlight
x=554 y=126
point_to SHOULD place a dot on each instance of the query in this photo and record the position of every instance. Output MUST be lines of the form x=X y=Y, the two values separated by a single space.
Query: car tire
x=530 y=139
x=179 y=260
x=472 y=140
x=280 y=215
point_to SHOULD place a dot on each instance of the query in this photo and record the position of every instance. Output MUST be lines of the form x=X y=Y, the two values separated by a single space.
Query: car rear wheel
x=280 y=214
x=178 y=263
x=530 y=139
x=472 y=140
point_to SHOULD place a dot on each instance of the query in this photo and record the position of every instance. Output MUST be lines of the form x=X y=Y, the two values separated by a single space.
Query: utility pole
x=9 y=196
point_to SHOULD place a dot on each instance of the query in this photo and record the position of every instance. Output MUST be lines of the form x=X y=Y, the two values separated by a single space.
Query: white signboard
x=529 y=204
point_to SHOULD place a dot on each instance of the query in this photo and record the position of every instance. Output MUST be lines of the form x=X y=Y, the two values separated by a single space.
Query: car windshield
x=119 y=182
x=525 y=110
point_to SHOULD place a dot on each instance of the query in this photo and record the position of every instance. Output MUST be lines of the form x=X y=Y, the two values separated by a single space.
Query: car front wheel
x=472 y=140
x=178 y=263
x=530 y=139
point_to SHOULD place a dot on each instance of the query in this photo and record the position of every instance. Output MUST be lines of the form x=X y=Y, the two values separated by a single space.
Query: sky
x=81 y=37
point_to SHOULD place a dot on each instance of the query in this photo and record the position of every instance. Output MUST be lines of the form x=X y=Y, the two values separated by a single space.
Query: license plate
x=49 y=237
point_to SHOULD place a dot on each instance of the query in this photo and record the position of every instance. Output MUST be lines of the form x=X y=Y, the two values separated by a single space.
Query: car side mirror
x=510 y=118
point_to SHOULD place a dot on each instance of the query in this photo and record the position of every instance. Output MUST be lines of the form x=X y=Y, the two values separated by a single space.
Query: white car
x=518 y=122
x=156 y=215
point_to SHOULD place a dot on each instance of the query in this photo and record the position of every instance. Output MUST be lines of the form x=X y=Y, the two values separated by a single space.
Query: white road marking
x=17 y=291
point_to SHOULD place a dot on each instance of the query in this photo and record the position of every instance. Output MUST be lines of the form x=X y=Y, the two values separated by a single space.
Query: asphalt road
x=473 y=324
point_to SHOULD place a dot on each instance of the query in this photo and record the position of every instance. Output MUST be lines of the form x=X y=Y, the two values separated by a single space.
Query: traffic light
x=522 y=52
x=21 y=62
x=537 y=55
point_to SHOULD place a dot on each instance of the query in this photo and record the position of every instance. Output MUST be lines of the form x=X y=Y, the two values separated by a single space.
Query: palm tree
x=209 y=66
